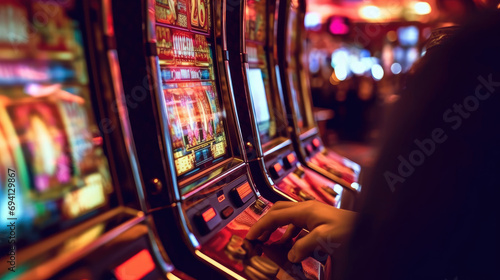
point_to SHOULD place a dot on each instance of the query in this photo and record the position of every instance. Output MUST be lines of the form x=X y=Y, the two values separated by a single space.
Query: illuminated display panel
x=50 y=143
x=135 y=268
x=265 y=105
x=292 y=70
x=195 y=116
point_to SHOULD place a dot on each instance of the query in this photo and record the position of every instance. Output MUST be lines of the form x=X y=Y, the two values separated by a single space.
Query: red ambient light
x=277 y=167
x=209 y=214
x=136 y=267
x=316 y=142
x=244 y=190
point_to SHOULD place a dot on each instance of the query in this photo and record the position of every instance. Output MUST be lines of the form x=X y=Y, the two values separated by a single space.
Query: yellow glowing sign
x=219 y=149
x=85 y=199
x=185 y=163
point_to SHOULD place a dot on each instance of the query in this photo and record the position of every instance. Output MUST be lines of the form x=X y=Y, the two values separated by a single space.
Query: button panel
x=276 y=170
x=241 y=194
x=227 y=212
x=316 y=143
x=207 y=219
x=211 y=210
x=289 y=160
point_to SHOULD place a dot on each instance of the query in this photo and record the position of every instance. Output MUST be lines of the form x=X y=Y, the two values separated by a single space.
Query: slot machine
x=275 y=165
x=199 y=191
x=292 y=61
x=70 y=196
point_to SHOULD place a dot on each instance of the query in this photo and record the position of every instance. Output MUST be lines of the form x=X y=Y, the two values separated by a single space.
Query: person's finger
x=303 y=247
x=282 y=205
x=291 y=232
x=278 y=218
x=277 y=206
x=265 y=236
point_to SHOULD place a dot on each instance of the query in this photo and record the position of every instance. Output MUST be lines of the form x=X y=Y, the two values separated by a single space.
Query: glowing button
x=277 y=167
x=241 y=194
x=206 y=220
x=209 y=214
x=316 y=143
x=276 y=170
x=244 y=190
x=136 y=267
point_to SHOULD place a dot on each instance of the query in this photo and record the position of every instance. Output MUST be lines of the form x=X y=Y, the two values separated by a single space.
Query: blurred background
x=359 y=55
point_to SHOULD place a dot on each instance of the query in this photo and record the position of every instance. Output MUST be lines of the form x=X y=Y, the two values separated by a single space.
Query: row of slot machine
x=142 y=139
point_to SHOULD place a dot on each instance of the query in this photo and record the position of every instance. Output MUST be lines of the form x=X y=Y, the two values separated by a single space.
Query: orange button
x=277 y=167
x=136 y=267
x=209 y=214
x=244 y=190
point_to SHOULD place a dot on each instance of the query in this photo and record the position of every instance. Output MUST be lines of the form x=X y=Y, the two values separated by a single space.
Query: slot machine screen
x=53 y=170
x=265 y=103
x=292 y=70
x=195 y=116
x=258 y=92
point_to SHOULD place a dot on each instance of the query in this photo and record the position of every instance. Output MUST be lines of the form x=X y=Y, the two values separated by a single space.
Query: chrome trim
x=243 y=41
x=165 y=265
x=106 y=8
x=234 y=109
x=165 y=136
x=284 y=194
x=125 y=125
x=280 y=146
x=59 y=262
x=309 y=133
x=223 y=25
x=255 y=127
x=213 y=180
x=130 y=145
x=151 y=21
x=252 y=181
x=330 y=176
x=218 y=265
x=185 y=225
x=171 y=276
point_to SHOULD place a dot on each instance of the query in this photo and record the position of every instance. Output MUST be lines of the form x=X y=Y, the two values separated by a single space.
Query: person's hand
x=327 y=226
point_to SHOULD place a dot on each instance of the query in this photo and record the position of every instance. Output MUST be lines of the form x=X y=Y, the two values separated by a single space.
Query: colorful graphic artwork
x=48 y=135
x=195 y=124
x=256 y=25
x=194 y=114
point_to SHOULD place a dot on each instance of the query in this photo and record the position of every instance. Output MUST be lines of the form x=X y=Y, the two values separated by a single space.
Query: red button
x=276 y=170
x=227 y=212
x=316 y=143
x=289 y=160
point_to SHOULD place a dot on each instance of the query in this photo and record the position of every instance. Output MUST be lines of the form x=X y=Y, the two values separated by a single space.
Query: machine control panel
x=210 y=210
x=241 y=194
x=316 y=143
x=276 y=170
x=207 y=219
x=290 y=160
